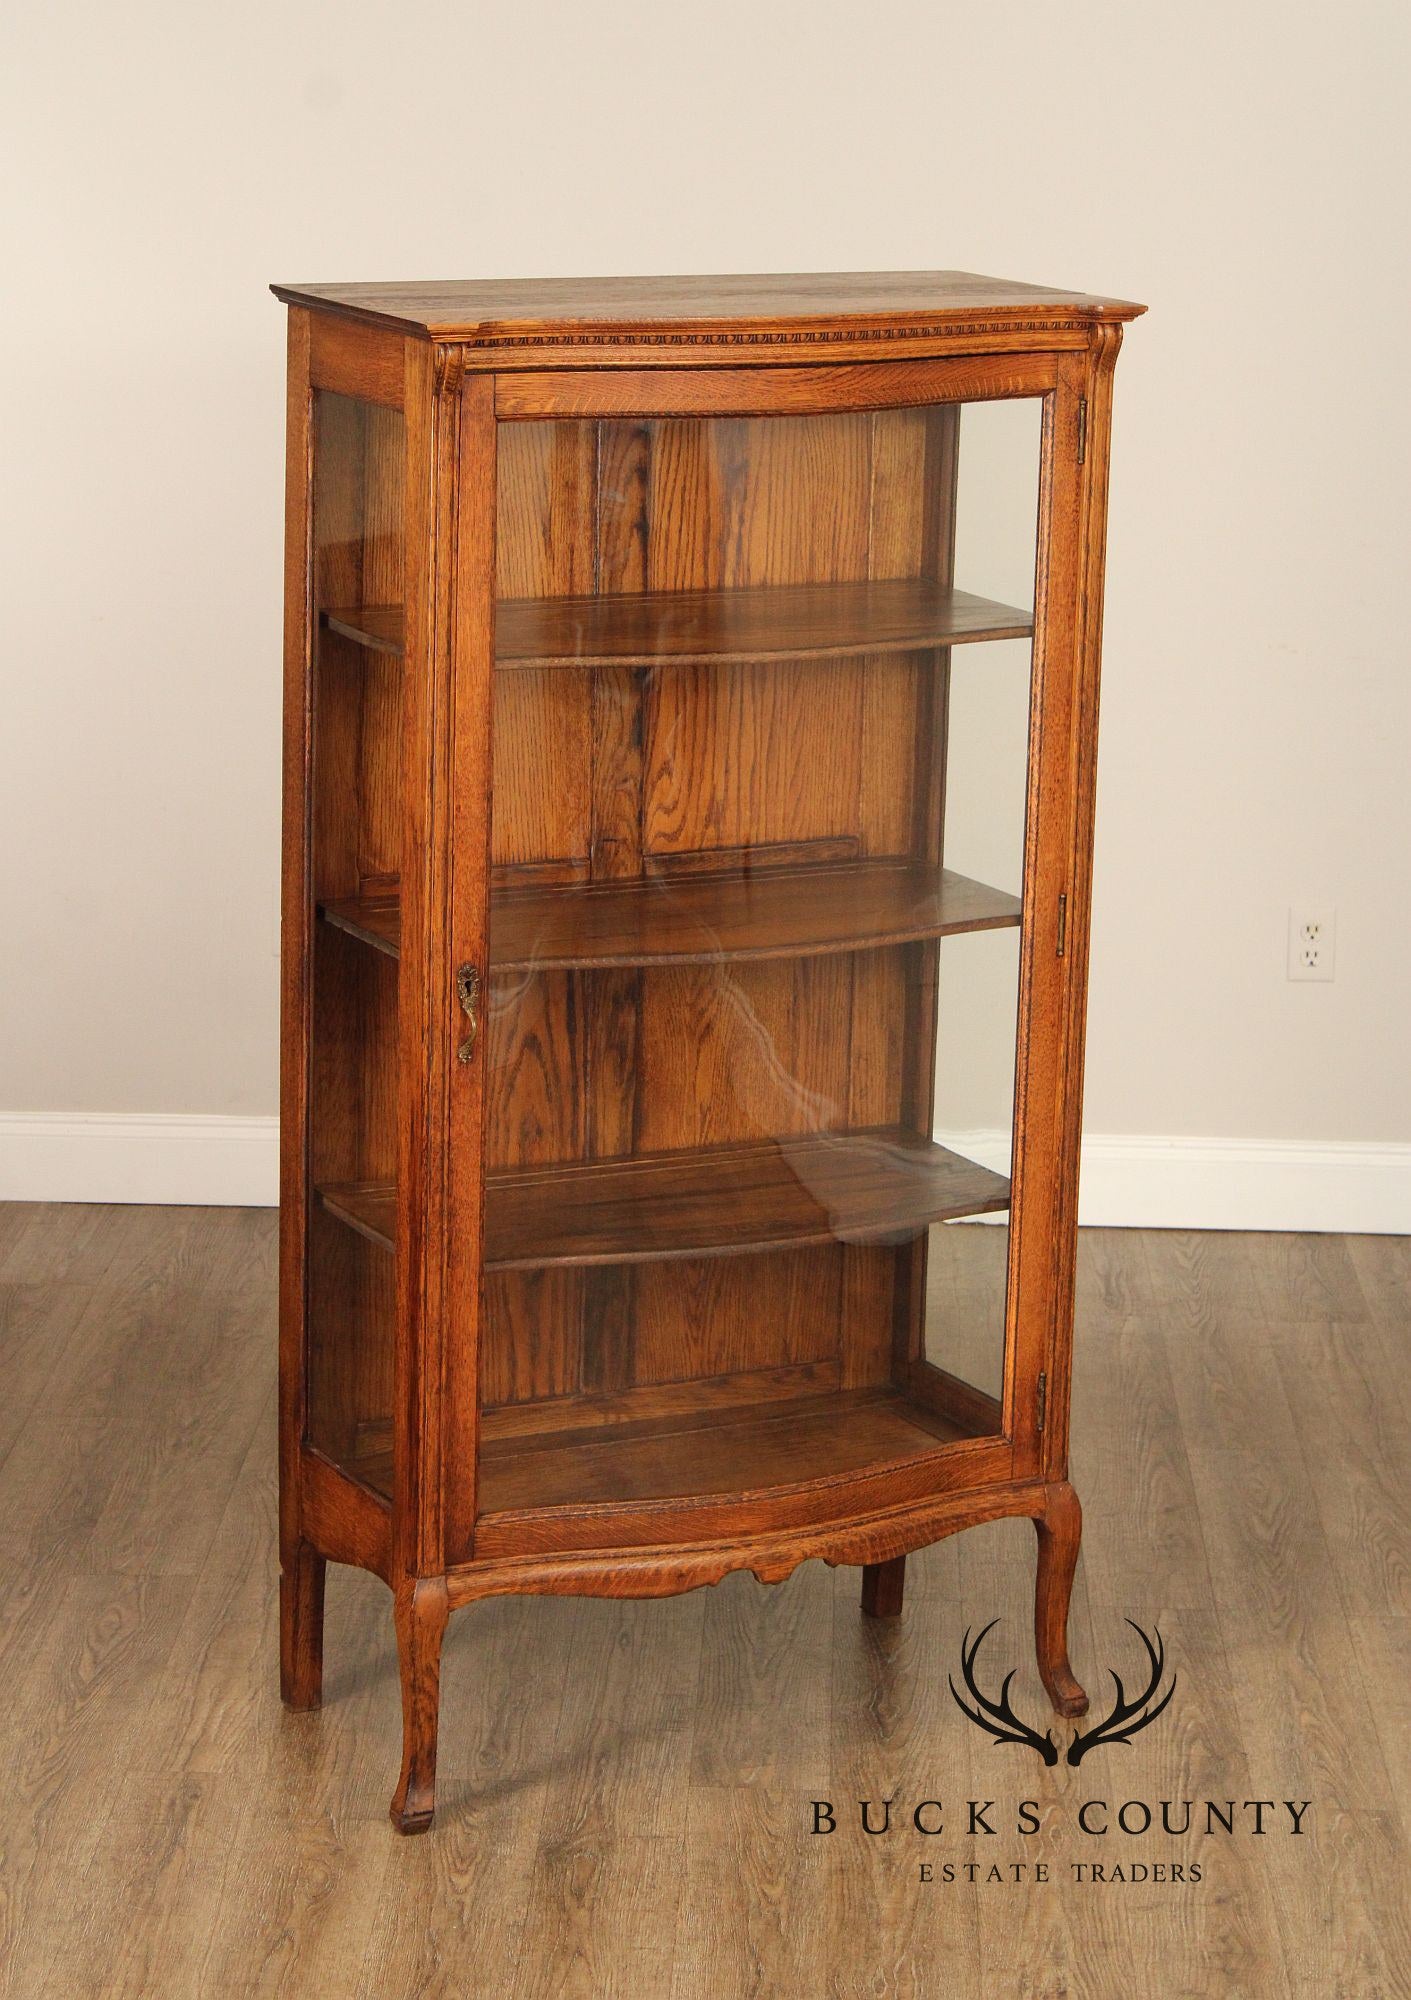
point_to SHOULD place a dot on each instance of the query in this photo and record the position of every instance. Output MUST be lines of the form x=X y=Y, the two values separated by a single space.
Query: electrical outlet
x=1312 y=943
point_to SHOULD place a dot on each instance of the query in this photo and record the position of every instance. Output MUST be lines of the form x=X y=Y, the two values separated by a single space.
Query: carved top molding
x=745 y=313
x=772 y=337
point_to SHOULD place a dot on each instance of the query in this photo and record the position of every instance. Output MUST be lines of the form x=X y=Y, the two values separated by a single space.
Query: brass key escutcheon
x=468 y=993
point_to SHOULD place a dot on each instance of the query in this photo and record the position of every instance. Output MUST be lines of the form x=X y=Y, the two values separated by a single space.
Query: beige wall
x=1237 y=167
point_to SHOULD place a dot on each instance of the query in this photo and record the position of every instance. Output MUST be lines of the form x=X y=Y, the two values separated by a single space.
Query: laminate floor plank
x=1202 y=1278
x=1383 y=1268
x=607 y=1870
x=755 y=1642
x=1307 y=1278
x=890 y=1707
x=1131 y=1397
x=36 y=1323
x=1113 y=1276
x=753 y=1897
x=1355 y=1427
x=1383 y=1649
x=71 y=1712
x=624 y=1800
x=1343 y=1909
x=460 y=1899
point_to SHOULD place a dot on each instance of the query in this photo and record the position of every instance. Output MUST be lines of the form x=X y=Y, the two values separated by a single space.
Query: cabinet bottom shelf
x=738 y=1451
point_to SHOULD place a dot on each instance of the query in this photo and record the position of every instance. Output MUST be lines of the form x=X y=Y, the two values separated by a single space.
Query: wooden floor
x=624 y=1804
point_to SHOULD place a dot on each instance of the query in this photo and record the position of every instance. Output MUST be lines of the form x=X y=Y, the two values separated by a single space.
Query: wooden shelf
x=706 y=919
x=740 y=1450
x=377 y=920
x=657 y=628
x=380 y=627
x=862 y=1187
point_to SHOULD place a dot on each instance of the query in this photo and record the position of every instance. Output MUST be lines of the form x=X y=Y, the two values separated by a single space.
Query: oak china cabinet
x=691 y=695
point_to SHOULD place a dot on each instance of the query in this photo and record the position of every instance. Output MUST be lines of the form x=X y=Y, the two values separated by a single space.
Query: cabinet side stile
x=295 y=941
x=423 y=984
x=473 y=562
x=1092 y=376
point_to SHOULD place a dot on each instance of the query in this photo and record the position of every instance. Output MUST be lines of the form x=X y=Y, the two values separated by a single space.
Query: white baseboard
x=171 y=1158
x=1128 y=1181
x=1145 y=1181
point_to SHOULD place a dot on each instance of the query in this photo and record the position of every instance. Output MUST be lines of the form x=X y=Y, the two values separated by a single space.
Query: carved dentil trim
x=800 y=337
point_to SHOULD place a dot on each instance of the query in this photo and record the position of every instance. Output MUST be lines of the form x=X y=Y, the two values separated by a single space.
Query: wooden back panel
x=606 y=773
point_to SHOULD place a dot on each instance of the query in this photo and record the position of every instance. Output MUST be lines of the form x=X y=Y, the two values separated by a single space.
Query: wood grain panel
x=546 y=509
x=624 y=488
x=340 y=438
x=529 y=1343
x=704 y=1316
x=545 y=545
x=610 y=1004
x=354 y=1071
x=336 y=767
x=687 y=503
x=384 y=507
x=536 y=1067
x=358 y=505
x=800 y=499
x=744 y=754
x=876 y=1048
x=379 y=783
x=543 y=769
x=737 y=755
x=893 y=687
x=615 y=840
x=746 y=392
x=352 y=1325
x=356 y=361
x=742 y=1051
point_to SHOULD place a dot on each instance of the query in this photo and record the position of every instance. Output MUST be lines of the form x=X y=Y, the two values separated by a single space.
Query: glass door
x=761 y=724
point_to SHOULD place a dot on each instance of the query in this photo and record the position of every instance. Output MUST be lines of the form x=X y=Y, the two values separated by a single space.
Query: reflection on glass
x=761 y=719
x=358 y=500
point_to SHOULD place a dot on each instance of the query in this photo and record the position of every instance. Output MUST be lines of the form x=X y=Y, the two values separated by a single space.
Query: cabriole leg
x=419 y=1608
x=301 y=1627
x=1060 y=1529
x=882 y=1587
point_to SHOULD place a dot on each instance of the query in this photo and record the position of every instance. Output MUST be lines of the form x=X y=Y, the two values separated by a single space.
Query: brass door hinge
x=1082 y=428
x=1041 y=1402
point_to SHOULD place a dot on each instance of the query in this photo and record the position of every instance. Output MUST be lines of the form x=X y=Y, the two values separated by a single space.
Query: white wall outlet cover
x=1312 y=945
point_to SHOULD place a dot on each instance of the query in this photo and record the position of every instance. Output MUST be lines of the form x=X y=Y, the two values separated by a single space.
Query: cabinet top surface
x=484 y=310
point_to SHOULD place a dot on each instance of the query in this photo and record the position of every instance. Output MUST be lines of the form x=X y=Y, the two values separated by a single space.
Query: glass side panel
x=987 y=774
x=359 y=471
x=761 y=723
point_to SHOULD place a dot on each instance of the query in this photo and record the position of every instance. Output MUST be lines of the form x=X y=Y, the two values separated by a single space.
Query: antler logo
x=997 y=1718
x=1125 y=1720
